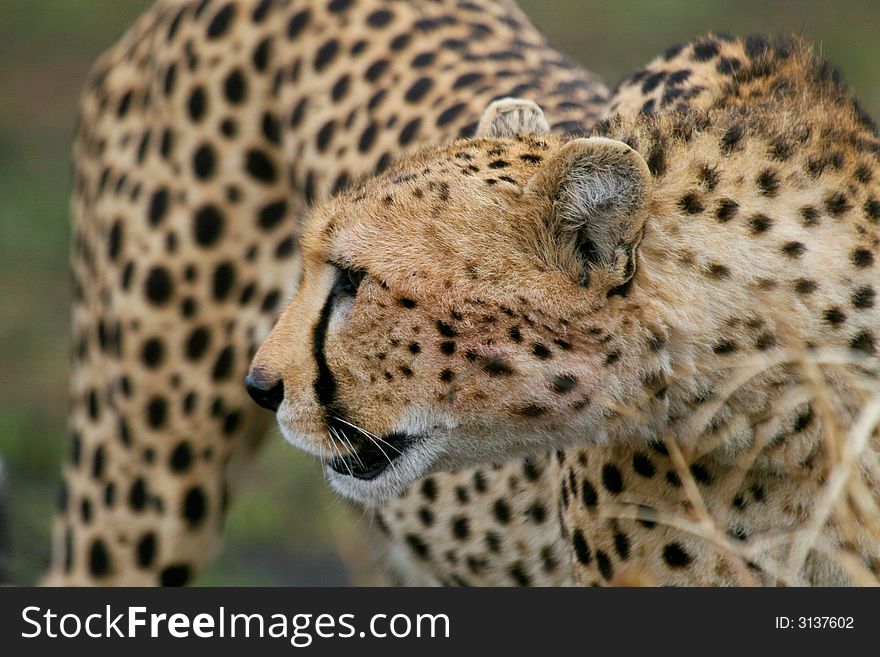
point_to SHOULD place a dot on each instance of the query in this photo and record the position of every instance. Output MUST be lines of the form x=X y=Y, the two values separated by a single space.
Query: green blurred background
x=285 y=527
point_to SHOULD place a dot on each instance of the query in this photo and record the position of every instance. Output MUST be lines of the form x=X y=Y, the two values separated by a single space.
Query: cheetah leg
x=184 y=250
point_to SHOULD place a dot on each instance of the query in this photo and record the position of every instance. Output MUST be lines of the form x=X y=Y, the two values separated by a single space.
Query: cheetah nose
x=269 y=398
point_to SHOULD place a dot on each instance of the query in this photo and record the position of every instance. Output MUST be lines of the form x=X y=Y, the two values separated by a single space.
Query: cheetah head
x=457 y=309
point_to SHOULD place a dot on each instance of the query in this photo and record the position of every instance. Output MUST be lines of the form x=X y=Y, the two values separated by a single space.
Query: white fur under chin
x=416 y=461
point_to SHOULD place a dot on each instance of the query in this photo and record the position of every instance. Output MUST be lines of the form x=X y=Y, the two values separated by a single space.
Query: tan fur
x=482 y=247
x=490 y=268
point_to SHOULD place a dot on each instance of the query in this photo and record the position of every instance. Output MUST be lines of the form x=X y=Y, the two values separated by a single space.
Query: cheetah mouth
x=372 y=456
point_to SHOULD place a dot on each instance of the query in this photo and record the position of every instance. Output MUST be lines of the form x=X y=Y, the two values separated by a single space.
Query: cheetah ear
x=597 y=193
x=507 y=117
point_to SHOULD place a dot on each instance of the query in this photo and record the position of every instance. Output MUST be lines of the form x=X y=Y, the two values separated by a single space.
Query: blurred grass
x=285 y=525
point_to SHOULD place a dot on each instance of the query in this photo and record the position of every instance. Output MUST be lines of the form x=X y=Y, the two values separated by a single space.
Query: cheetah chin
x=381 y=469
x=376 y=468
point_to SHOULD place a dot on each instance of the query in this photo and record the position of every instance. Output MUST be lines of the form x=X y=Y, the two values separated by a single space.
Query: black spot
x=152 y=352
x=675 y=556
x=409 y=131
x=94 y=409
x=181 y=458
x=157 y=409
x=864 y=342
x=604 y=563
x=235 y=87
x=270 y=215
x=836 y=204
x=705 y=50
x=652 y=81
x=137 y=495
x=540 y=351
x=379 y=18
x=124 y=104
x=731 y=138
x=450 y=114
x=325 y=135
x=339 y=6
x=803 y=420
x=158 y=206
x=221 y=20
x=326 y=54
x=760 y=223
x=793 y=249
x=701 y=474
x=724 y=347
x=98 y=461
x=872 y=209
x=99 y=559
x=501 y=510
x=494 y=366
x=728 y=65
x=368 y=137
x=563 y=383
x=621 y=544
x=718 y=271
x=589 y=497
x=175 y=575
x=691 y=204
x=519 y=575
x=531 y=410
x=657 y=161
x=862 y=258
x=834 y=316
x=643 y=465
x=196 y=105
x=418 y=546
x=197 y=343
x=285 y=247
x=418 y=89
x=581 y=549
x=375 y=70
x=195 y=506
x=805 y=286
x=768 y=182
x=114 y=241
x=146 y=550
x=223 y=364
x=612 y=480
x=340 y=88
x=863 y=298
x=426 y=516
x=260 y=166
x=461 y=528
x=727 y=210
x=445 y=330
x=204 y=162
x=297 y=23
x=429 y=488
x=208 y=225
x=158 y=286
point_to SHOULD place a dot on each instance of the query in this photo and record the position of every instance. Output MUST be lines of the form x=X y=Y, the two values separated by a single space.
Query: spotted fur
x=203 y=135
x=464 y=288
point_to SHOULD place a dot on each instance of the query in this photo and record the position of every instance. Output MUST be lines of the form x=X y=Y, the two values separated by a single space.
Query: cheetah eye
x=348 y=281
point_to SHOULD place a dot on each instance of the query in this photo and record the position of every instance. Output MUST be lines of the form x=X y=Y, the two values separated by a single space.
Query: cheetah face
x=457 y=309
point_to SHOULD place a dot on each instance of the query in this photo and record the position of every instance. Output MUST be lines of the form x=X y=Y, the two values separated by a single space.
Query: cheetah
x=220 y=170
x=670 y=302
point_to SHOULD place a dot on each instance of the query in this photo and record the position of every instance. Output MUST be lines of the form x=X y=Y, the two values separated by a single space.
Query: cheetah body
x=208 y=131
